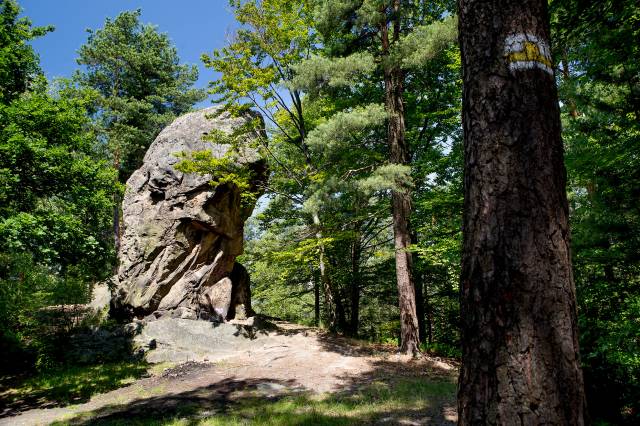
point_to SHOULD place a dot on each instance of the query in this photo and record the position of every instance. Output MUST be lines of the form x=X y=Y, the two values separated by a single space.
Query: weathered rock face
x=181 y=235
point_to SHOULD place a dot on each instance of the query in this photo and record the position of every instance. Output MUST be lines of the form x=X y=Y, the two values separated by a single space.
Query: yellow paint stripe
x=531 y=52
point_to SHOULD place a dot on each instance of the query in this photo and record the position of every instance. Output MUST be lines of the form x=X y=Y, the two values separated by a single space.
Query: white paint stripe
x=529 y=65
x=515 y=47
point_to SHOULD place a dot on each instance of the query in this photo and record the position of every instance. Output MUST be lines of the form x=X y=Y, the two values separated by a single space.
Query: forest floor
x=301 y=376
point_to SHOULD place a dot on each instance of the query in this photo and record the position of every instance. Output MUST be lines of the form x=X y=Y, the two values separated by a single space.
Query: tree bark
x=400 y=198
x=521 y=362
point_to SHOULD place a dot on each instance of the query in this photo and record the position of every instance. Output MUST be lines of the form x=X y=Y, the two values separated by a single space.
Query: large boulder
x=182 y=235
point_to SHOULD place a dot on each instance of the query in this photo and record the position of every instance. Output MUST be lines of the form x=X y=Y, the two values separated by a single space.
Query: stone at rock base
x=181 y=340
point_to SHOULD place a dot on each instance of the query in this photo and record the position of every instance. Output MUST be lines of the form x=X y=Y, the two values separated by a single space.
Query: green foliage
x=273 y=35
x=137 y=84
x=600 y=92
x=55 y=194
x=28 y=330
x=425 y=42
x=230 y=168
x=283 y=269
x=19 y=64
x=319 y=72
x=55 y=202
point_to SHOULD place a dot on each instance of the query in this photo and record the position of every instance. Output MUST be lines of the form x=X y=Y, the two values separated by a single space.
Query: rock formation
x=182 y=235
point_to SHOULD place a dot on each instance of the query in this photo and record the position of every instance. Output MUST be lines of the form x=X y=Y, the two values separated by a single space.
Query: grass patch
x=402 y=398
x=70 y=385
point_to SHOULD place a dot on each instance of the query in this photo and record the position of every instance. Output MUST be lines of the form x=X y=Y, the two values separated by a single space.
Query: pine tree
x=521 y=362
x=385 y=39
x=133 y=74
x=19 y=64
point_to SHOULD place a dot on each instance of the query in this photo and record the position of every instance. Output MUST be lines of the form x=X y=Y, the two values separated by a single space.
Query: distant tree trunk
x=419 y=291
x=400 y=198
x=116 y=222
x=325 y=279
x=316 y=304
x=356 y=254
x=521 y=362
x=429 y=318
x=341 y=317
x=117 y=232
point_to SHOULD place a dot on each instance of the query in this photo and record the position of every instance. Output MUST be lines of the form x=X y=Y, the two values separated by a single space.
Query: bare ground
x=295 y=360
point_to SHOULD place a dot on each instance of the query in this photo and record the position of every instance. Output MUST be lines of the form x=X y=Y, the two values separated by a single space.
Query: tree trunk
x=356 y=252
x=329 y=301
x=116 y=223
x=117 y=230
x=316 y=304
x=428 y=307
x=400 y=198
x=341 y=317
x=521 y=362
x=419 y=292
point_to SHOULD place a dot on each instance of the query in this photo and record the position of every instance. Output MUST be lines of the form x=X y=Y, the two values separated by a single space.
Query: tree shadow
x=388 y=394
x=393 y=391
x=66 y=385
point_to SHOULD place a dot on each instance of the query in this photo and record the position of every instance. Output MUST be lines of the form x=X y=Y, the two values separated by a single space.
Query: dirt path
x=296 y=360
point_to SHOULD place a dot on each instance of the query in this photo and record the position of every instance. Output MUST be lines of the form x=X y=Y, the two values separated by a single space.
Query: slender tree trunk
x=418 y=285
x=325 y=279
x=428 y=307
x=356 y=252
x=316 y=304
x=418 y=289
x=521 y=362
x=341 y=317
x=117 y=231
x=116 y=222
x=400 y=198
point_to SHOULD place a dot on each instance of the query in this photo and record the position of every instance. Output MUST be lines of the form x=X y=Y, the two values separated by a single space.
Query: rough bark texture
x=181 y=235
x=400 y=199
x=520 y=346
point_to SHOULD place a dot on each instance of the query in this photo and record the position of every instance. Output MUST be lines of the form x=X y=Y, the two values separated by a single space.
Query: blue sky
x=195 y=26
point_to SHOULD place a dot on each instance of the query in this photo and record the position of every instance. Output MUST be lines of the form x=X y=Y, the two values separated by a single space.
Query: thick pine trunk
x=521 y=362
x=400 y=198
x=401 y=210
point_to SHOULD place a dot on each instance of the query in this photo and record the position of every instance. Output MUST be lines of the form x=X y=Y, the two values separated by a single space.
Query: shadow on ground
x=64 y=386
x=392 y=393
